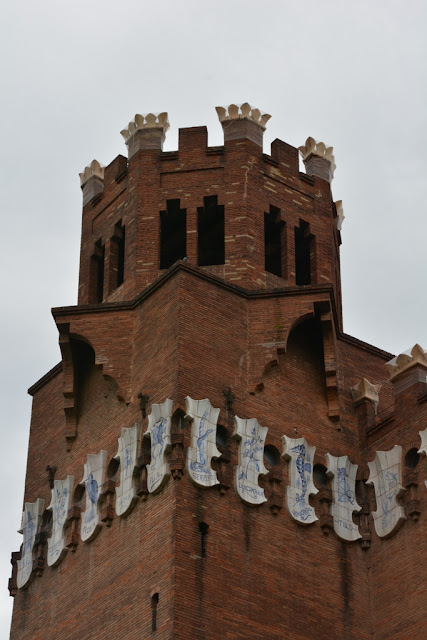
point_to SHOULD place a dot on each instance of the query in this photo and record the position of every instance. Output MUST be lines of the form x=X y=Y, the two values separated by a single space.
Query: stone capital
x=146 y=132
x=92 y=181
x=407 y=360
x=318 y=159
x=365 y=390
x=242 y=121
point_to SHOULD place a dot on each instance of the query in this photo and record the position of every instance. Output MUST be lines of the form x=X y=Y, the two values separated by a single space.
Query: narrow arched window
x=275 y=243
x=210 y=232
x=96 y=275
x=304 y=254
x=173 y=234
x=117 y=257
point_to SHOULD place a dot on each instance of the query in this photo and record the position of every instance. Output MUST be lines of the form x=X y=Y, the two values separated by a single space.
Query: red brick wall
x=191 y=333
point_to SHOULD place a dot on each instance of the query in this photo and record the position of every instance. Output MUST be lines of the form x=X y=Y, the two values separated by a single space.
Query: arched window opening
x=210 y=225
x=412 y=458
x=203 y=528
x=154 y=604
x=96 y=275
x=271 y=455
x=117 y=257
x=320 y=476
x=304 y=254
x=173 y=234
x=275 y=243
x=84 y=364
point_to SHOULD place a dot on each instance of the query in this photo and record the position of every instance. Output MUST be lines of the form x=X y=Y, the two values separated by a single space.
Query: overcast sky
x=352 y=74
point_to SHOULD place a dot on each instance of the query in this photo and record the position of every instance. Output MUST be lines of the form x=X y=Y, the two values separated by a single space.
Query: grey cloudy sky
x=352 y=74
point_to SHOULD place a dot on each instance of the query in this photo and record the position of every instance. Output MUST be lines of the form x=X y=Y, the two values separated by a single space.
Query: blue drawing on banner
x=253 y=446
x=303 y=465
x=345 y=494
x=158 y=443
x=61 y=506
x=128 y=467
x=92 y=489
x=388 y=489
x=29 y=532
x=201 y=463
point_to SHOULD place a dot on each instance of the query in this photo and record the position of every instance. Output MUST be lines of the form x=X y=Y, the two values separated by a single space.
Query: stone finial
x=318 y=159
x=365 y=390
x=340 y=214
x=407 y=360
x=92 y=181
x=146 y=132
x=243 y=121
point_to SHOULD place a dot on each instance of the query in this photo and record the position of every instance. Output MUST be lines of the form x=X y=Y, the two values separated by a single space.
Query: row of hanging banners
x=385 y=476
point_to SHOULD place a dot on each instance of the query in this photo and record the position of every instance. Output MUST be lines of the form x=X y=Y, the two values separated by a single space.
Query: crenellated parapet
x=243 y=121
x=92 y=181
x=318 y=159
x=146 y=132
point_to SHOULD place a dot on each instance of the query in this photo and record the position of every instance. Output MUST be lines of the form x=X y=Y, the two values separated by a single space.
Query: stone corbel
x=68 y=390
x=73 y=535
x=365 y=399
x=107 y=495
x=12 y=585
x=40 y=543
x=275 y=498
x=326 y=519
x=411 y=503
x=177 y=458
x=224 y=470
x=325 y=312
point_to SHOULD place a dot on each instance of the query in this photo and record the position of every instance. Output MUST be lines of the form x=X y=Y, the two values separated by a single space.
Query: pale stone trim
x=406 y=360
x=242 y=112
x=94 y=170
x=365 y=390
x=147 y=121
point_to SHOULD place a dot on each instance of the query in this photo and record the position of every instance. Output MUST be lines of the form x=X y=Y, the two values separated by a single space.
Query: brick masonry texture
x=196 y=331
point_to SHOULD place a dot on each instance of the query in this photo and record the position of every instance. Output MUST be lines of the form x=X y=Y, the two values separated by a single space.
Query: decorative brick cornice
x=146 y=132
x=407 y=360
x=318 y=159
x=243 y=121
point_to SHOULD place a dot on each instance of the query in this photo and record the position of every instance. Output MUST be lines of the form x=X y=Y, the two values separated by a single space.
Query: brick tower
x=214 y=457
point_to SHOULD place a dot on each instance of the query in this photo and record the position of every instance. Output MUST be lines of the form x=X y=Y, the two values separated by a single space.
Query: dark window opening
x=96 y=278
x=271 y=455
x=275 y=243
x=210 y=226
x=154 y=603
x=320 y=476
x=203 y=528
x=412 y=458
x=222 y=436
x=117 y=257
x=173 y=234
x=304 y=254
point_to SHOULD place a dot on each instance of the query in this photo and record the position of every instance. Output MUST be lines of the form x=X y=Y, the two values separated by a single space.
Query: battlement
x=250 y=218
